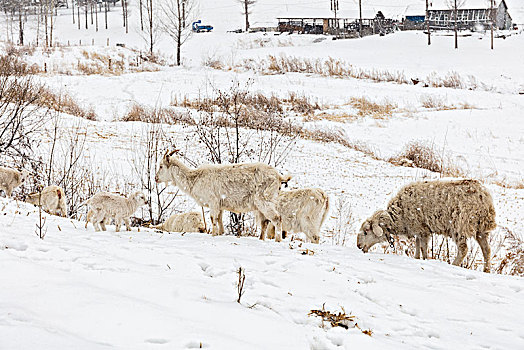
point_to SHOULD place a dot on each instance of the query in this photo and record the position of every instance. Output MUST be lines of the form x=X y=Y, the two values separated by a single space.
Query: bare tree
x=150 y=33
x=455 y=5
x=246 y=9
x=176 y=22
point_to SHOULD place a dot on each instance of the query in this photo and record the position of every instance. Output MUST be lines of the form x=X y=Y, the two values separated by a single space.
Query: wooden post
x=109 y=63
x=45 y=67
x=107 y=41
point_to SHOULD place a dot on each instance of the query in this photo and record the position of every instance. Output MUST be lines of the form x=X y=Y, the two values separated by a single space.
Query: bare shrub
x=147 y=154
x=344 y=221
x=512 y=260
x=240 y=283
x=21 y=118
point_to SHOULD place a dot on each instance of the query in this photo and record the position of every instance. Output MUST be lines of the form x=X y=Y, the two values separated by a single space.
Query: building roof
x=463 y=4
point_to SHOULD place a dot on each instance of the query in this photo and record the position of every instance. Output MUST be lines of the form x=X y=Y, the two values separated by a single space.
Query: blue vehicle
x=197 y=27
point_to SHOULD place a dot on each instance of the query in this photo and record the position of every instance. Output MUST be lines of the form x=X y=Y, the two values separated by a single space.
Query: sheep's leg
x=270 y=230
x=482 y=239
x=462 y=250
x=214 y=221
x=417 y=247
x=262 y=223
x=424 y=247
x=220 y=223
x=118 y=224
x=128 y=224
x=269 y=211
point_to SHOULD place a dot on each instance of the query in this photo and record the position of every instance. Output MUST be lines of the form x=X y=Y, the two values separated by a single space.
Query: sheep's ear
x=377 y=230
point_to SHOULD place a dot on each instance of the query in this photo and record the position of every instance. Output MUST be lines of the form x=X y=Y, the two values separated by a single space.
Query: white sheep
x=239 y=188
x=303 y=210
x=458 y=209
x=186 y=222
x=105 y=205
x=11 y=179
x=52 y=199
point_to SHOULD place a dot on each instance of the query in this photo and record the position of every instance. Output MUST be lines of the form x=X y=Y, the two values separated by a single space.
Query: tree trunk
x=151 y=26
x=456 y=28
x=45 y=23
x=86 y=13
x=246 y=9
x=106 y=6
x=427 y=22
x=21 y=26
x=73 y=10
x=141 y=16
x=96 y=16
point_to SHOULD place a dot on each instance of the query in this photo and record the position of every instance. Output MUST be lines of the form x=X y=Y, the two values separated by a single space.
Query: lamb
x=459 y=209
x=238 y=188
x=52 y=199
x=303 y=210
x=11 y=179
x=106 y=205
x=186 y=222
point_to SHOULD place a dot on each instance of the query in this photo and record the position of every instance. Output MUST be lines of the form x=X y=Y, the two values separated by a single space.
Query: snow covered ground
x=85 y=290
x=134 y=290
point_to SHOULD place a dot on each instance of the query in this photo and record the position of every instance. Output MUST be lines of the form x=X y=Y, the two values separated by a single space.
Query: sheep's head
x=140 y=198
x=163 y=174
x=374 y=230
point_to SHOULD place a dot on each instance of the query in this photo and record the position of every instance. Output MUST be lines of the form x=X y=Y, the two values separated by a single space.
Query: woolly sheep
x=106 y=205
x=238 y=188
x=458 y=209
x=186 y=222
x=52 y=200
x=303 y=210
x=11 y=179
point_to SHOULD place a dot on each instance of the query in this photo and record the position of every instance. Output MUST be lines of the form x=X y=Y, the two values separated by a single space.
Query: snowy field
x=146 y=290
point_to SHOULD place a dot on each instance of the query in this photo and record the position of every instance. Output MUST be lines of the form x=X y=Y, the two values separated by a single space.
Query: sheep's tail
x=326 y=208
x=284 y=179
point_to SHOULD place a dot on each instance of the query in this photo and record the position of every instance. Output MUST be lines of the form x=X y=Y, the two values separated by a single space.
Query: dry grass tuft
x=424 y=156
x=367 y=108
x=64 y=103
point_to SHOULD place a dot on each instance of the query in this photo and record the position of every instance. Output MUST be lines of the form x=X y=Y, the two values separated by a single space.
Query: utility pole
x=427 y=22
x=335 y=8
x=360 y=17
x=491 y=14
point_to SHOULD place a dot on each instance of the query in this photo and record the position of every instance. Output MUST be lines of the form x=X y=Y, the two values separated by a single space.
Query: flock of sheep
x=458 y=209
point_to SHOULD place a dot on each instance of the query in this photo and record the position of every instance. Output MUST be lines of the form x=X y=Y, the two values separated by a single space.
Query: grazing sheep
x=238 y=188
x=186 y=222
x=11 y=179
x=52 y=200
x=303 y=210
x=106 y=205
x=457 y=209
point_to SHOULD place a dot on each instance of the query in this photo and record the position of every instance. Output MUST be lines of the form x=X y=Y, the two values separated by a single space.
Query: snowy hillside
x=339 y=115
